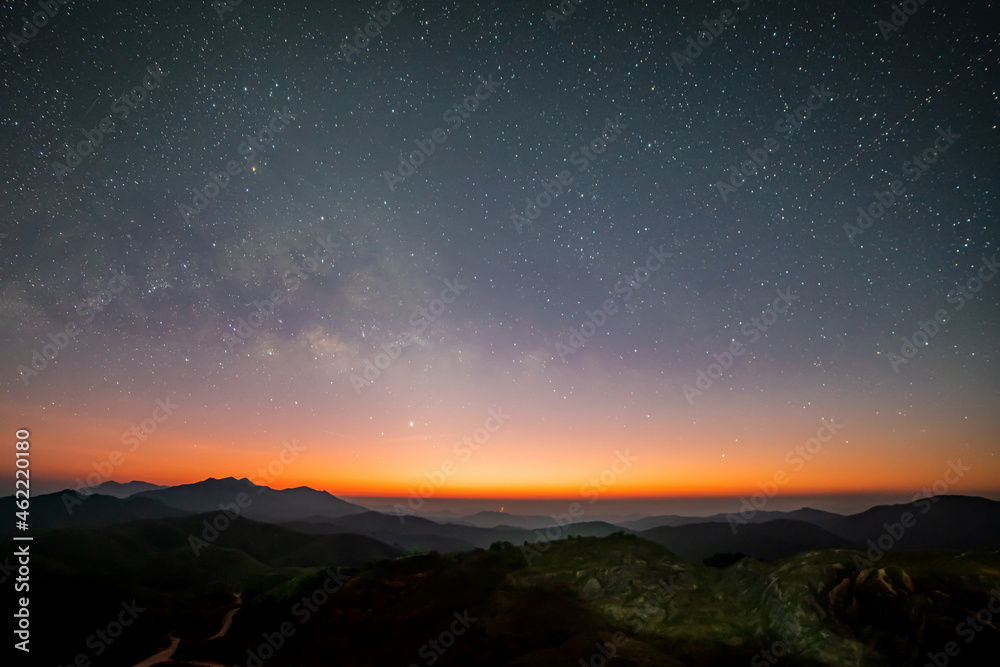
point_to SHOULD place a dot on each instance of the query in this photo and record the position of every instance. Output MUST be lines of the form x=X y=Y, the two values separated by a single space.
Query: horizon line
x=990 y=494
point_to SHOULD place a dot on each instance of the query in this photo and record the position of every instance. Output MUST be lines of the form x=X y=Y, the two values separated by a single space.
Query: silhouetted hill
x=493 y=519
x=649 y=522
x=120 y=490
x=573 y=598
x=265 y=503
x=181 y=587
x=423 y=534
x=67 y=508
x=412 y=533
x=545 y=604
x=940 y=522
x=142 y=546
x=773 y=540
x=281 y=546
x=806 y=514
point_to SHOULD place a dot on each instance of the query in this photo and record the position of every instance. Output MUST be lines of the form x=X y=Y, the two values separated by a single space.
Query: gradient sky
x=524 y=285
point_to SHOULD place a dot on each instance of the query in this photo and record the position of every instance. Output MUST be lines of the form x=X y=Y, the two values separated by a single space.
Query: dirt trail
x=162 y=656
x=166 y=655
x=227 y=622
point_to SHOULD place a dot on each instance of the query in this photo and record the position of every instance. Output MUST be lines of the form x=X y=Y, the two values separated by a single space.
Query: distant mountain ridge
x=492 y=519
x=806 y=514
x=960 y=522
x=422 y=534
x=108 y=505
x=67 y=509
x=124 y=490
x=772 y=540
x=262 y=503
x=948 y=523
x=938 y=523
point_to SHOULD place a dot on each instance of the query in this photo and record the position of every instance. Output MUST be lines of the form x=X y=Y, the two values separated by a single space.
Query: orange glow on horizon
x=532 y=458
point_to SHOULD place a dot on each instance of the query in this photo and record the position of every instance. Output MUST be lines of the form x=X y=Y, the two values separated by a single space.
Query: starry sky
x=502 y=250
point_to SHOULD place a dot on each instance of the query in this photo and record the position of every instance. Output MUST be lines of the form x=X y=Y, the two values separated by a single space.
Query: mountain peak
x=265 y=504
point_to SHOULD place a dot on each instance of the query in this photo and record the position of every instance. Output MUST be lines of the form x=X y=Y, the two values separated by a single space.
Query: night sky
x=251 y=273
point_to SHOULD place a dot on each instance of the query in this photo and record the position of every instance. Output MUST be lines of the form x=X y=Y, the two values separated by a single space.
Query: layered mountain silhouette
x=936 y=523
x=123 y=490
x=263 y=503
x=773 y=540
x=417 y=533
x=493 y=519
x=806 y=514
x=67 y=508
x=886 y=586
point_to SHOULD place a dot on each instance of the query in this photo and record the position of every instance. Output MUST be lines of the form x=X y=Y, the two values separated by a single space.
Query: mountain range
x=936 y=523
x=888 y=586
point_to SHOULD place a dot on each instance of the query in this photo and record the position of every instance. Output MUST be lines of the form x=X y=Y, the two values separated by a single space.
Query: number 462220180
x=22 y=483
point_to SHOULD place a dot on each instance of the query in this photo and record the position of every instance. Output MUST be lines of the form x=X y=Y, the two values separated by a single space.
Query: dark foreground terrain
x=618 y=600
